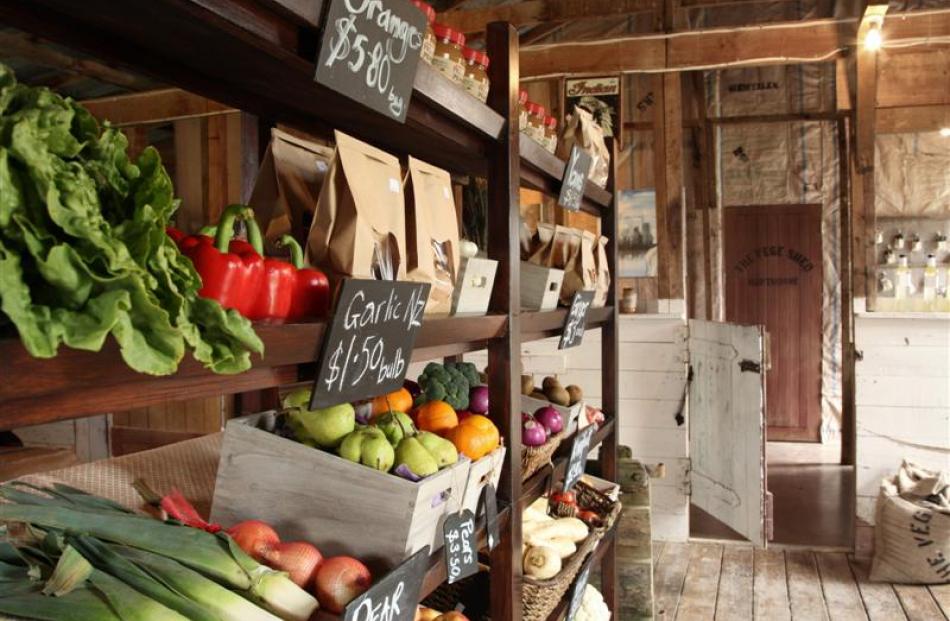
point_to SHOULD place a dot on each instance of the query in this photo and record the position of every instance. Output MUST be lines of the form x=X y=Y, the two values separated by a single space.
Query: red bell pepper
x=311 y=298
x=232 y=278
x=176 y=234
x=274 y=300
x=205 y=236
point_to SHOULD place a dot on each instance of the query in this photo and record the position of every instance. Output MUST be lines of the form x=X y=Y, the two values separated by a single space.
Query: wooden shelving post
x=504 y=354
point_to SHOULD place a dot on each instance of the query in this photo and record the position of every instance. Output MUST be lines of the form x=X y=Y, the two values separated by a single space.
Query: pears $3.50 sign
x=367 y=348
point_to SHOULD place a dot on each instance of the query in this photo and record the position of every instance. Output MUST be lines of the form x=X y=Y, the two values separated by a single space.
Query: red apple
x=340 y=580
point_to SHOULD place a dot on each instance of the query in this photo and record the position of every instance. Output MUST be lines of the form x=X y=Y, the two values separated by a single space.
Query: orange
x=397 y=401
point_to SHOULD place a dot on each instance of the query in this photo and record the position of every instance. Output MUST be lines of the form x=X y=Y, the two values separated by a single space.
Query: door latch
x=750 y=366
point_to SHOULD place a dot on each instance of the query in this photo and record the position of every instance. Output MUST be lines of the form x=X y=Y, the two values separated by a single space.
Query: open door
x=727 y=425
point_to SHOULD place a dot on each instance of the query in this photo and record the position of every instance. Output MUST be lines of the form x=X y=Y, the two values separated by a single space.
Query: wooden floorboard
x=727 y=582
x=668 y=580
x=941 y=594
x=735 y=584
x=804 y=586
x=918 y=603
x=698 y=601
x=880 y=600
x=840 y=588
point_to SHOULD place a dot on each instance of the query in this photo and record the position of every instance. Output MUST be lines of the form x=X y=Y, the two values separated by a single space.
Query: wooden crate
x=540 y=287
x=484 y=471
x=339 y=506
x=474 y=286
x=570 y=414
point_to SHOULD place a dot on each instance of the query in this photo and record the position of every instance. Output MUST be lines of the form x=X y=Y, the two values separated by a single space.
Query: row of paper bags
x=361 y=216
x=581 y=254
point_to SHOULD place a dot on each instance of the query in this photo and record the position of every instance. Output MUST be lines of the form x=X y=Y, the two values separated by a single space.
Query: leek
x=82 y=604
x=215 y=556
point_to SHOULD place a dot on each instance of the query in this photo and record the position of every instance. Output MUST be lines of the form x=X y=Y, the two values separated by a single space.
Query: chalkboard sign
x=370 y=51
x=395 y=597
x=460 y=546
x=367 y=348
x=489 y=504
x=577 y=593
x=575 y=176
x=576 y=320
x=579 y=450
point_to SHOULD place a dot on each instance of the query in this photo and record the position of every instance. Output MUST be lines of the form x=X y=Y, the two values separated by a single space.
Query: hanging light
x=872 y=39
x=945 y=131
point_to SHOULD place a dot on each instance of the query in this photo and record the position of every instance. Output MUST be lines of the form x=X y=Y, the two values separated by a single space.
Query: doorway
x=773 y=278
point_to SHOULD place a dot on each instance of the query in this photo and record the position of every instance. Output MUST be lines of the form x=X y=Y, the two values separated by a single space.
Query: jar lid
x=444 y=32
x=426 y=9
x=535 y=109
x=550 y=121
x=475 y=56
x=523 y=98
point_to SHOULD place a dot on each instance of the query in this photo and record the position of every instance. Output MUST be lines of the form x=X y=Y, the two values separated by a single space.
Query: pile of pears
x=390 y=442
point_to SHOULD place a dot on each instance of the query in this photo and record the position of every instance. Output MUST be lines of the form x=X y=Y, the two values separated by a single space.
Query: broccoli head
x=468 y=370
x=444 y=383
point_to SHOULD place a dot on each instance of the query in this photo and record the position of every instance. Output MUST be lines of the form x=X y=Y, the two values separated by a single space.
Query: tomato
x=588 y=517
x=567 y=498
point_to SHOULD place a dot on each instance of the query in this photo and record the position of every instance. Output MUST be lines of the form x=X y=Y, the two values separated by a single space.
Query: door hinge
x=687 y=485
x=750 y=366
x=769 y=516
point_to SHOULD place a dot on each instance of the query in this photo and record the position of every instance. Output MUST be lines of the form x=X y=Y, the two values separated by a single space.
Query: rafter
x=542 y=11
x=170 y=104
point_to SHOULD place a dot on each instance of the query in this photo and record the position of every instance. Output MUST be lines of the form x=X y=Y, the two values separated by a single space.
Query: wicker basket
x=533 y=458
x=540 y=597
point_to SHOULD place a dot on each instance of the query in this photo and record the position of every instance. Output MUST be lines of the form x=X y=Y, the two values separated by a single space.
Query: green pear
x=442 y=450
x=415 y=456
x=326 y=427
x=368 y=446
x=396 y=426
x=299 y=398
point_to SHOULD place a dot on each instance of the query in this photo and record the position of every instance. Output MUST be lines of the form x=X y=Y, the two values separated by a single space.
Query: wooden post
x=848 y=419
x=668 y=179
x=609 y=371
x=504 y=354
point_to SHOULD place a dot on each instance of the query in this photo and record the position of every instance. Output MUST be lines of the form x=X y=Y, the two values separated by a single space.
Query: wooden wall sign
x=368 y=346
x=601 y=95
x=370 y=51
x=575 y=176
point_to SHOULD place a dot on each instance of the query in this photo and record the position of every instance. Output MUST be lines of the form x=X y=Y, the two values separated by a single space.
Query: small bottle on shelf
x=930 y=278
x=428 y=40
x=550 y=133
x=535 y=127
x=903 y=288
x=448 y=52
x=476 y=81
x=523 y=111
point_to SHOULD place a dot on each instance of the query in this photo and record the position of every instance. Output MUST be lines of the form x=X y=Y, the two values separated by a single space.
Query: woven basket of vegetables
x=533 y=458
x=539 y=597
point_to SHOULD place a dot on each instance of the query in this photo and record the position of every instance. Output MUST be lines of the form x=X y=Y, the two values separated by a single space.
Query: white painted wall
x=902 y=398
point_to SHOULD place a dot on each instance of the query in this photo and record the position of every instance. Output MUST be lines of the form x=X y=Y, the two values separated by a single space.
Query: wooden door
x=773 y=265
x=727 y=426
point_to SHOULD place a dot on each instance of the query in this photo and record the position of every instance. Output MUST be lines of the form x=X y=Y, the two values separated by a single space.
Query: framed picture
x=601 y=96
x=636 y=243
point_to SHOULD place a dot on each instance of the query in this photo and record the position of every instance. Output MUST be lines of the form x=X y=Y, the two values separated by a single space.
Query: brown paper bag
x=603 y=274
x=432 y=234
x=359 y=226
x=580 y=271
x=582 y=130
x=288 y=185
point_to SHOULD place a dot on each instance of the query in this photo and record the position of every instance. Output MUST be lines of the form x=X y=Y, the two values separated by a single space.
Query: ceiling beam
x=36 y=50
x=779 y=43
x=912 y=119
x=539 y=32
x=535 y=12
x=866 y=91
x=170 y=104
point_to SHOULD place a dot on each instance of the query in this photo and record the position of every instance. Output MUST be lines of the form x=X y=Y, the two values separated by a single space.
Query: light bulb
x=945 y=131
x=872 y=40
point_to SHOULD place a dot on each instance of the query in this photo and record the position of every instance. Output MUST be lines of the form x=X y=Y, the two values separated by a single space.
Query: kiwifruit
x=575 y=393
x=549 y=382
x=537 y=394
x=556 y=394
x=527 y=384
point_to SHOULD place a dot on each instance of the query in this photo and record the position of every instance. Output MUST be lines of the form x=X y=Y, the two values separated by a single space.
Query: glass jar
x=523 y=111
x=550 y=133
x=535 y=127
x=428 y=40
x=476 y=74
x=448 y=52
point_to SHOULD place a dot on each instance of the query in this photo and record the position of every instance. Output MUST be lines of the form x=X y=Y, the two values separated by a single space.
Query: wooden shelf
x=545 y=324
x=537 y=484
x=77 y=383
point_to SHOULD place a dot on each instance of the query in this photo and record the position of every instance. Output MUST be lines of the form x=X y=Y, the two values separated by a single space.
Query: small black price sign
x=579 y=451
x=367 y=348
x=576 y=320
x=370 y=51
x=461 y=547
x=395 y=597
x=577 y=594
x=575 y=176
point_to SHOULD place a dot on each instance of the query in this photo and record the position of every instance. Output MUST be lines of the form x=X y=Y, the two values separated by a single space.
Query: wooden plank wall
x=902 y=402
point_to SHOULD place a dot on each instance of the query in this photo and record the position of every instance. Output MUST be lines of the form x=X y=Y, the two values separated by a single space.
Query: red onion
x=340 y=580
x=478 y=399
x=533 y=433
x=550 y=418
x=254 y=537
